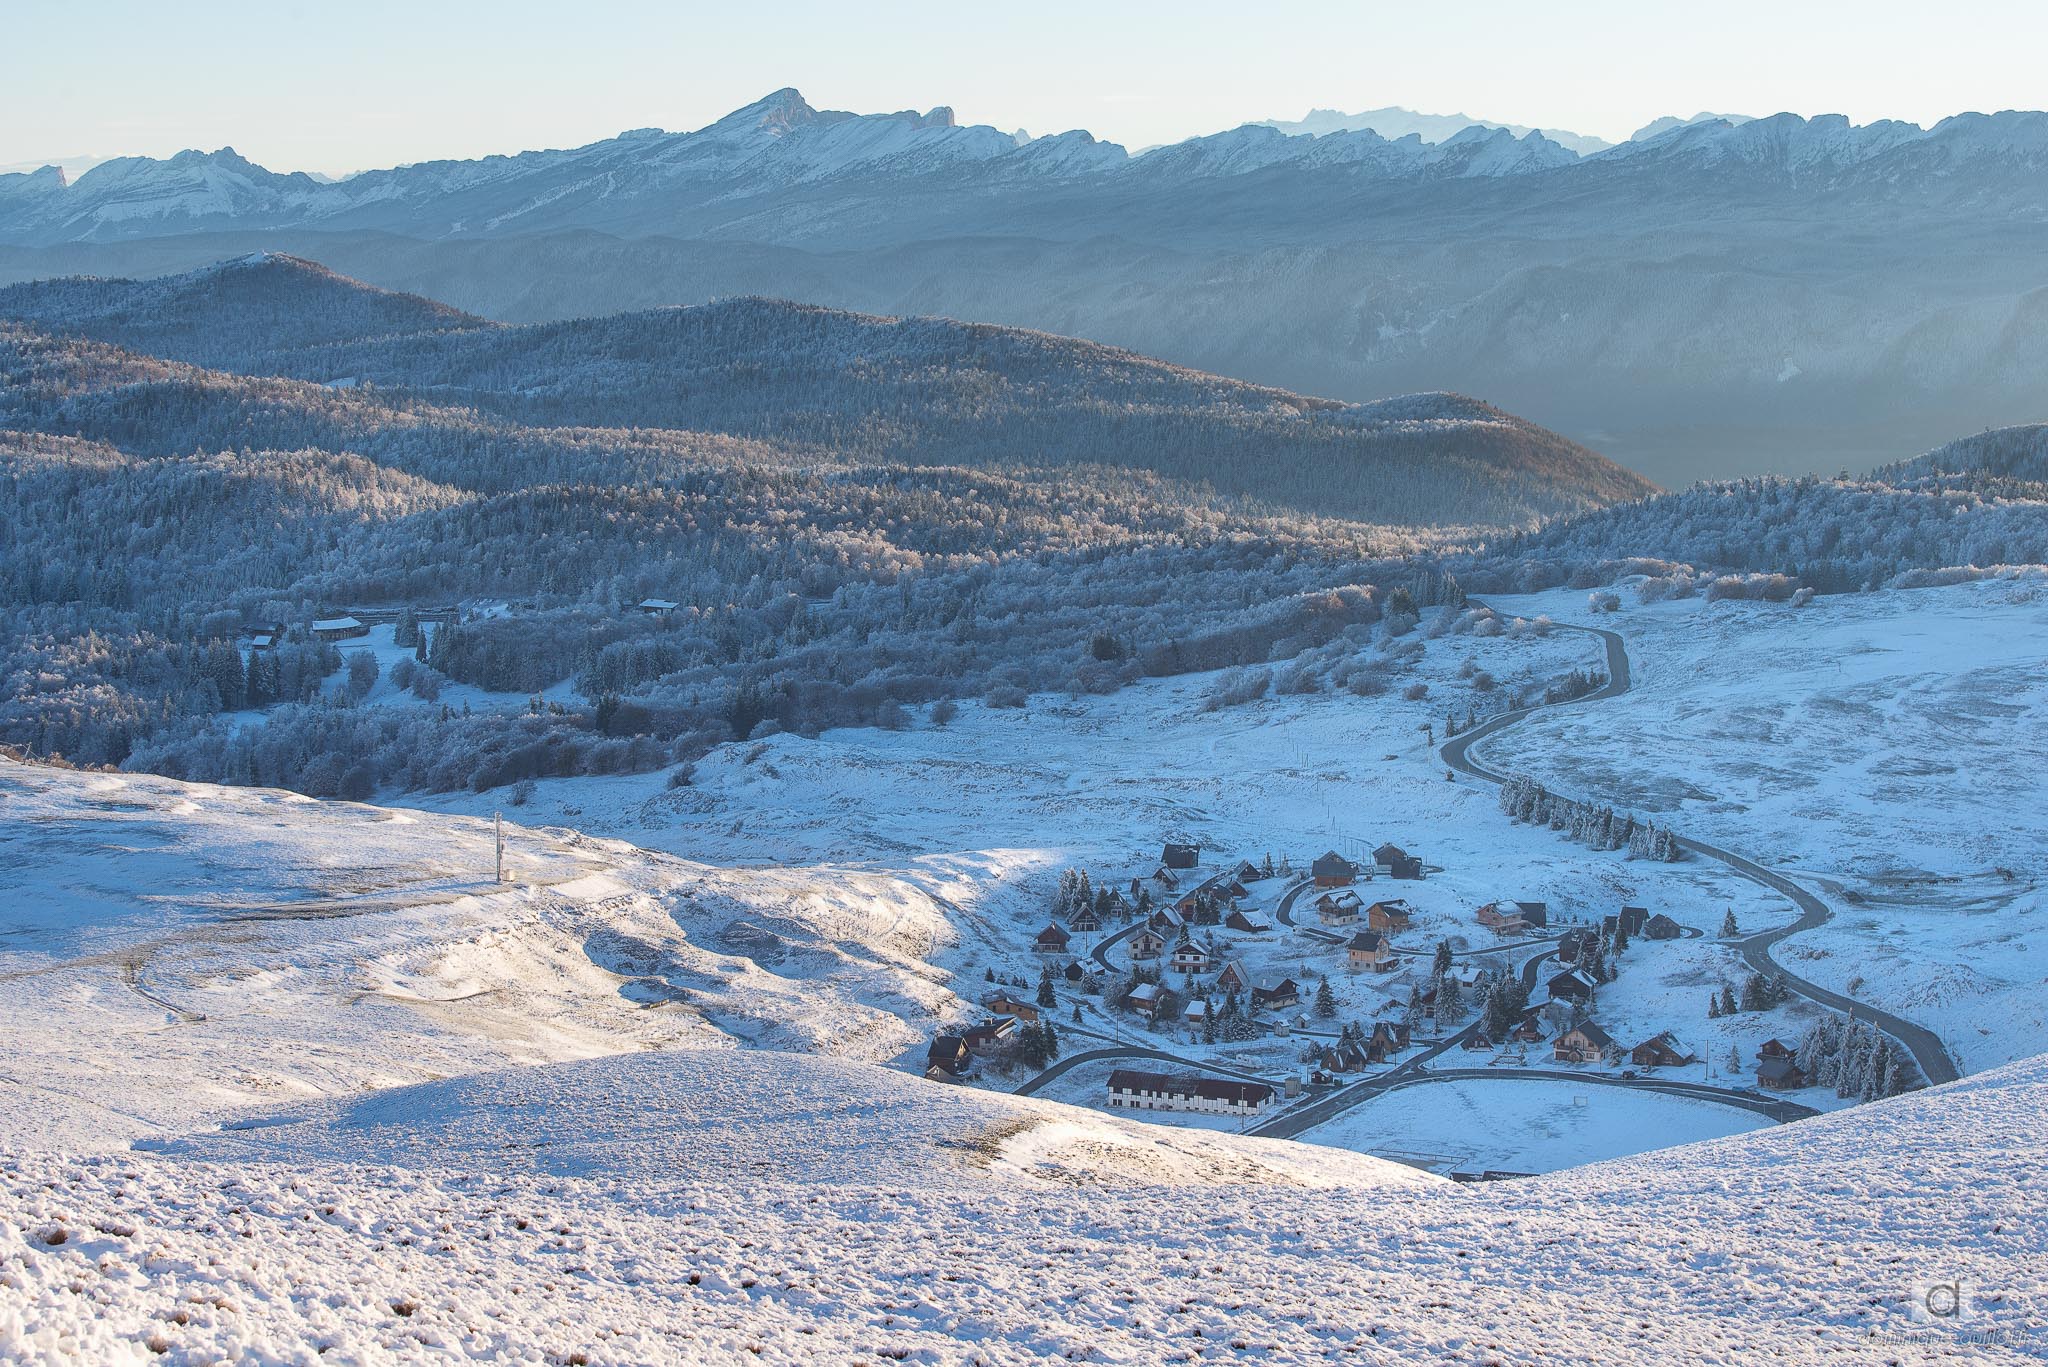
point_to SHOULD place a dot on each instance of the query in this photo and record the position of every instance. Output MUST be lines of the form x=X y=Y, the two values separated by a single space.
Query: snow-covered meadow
x=1886 y=748
x=603 y=1213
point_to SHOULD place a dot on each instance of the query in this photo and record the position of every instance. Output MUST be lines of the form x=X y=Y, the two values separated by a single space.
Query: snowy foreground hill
x=578 y=1214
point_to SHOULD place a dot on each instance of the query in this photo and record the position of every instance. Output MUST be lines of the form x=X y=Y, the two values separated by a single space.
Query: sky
x=333 y=89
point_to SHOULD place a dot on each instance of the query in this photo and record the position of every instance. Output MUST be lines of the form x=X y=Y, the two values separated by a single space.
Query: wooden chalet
x=1189 y=956
x=1661 y=1051
x=1573 y=985
x=948 y=1058
x=1276 y=995
x=1339 y=908
x=1633 y=919
x=1166 y=920
x=1145 y=998
x=1233 y=977
x=990 y=1037
x=1181 y=856
x=1369 y=949
x=1244 y=922
x=1780 y=1075
x=1051 y=941
x=1004 y=1004
x=1248 y=872
x=655 y=607
x=1395 y=862
x=1332 y=870
x=1084 y=920
x=1774 y=1049
x=1660 y=927
x=1146 y=945
x=1583 y=1043
x=1346 y=1056
x=1389 y=916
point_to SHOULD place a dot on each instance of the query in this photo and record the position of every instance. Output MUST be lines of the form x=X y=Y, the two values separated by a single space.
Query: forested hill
x=2019 y=454
x=921 y=391
x=234 y=314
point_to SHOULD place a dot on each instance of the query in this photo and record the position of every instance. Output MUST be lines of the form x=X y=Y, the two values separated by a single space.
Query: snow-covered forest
x=826 y=383
x=851 y=516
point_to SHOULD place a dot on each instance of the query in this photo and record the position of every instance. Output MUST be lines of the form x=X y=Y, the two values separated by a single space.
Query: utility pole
x=499 y=818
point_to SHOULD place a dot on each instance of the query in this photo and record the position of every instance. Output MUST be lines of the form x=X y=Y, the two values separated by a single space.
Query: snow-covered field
x=171 y=952
x=1887 y=748
x=1511 y=1125
x=603 y=1213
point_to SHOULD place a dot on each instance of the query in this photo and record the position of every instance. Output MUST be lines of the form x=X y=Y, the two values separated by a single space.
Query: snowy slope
x=1799 y=1245
x=173 y=951
x=1882 y=746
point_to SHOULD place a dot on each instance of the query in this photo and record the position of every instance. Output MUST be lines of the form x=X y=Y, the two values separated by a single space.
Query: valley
x=755 y=831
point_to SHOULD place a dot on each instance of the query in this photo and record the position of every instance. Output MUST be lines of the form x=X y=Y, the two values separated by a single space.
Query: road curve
x=1928 y=1050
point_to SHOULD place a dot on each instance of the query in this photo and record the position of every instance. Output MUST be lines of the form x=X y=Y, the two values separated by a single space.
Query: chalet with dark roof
x=1332 y=870
x=1368 y=949
x=1583 y=1043
x=1276 y=995
x=1573 y=985
x=1181 y=856
x=1780 y=1075
x=1051 y=941
x=1661 y=1051
x=948 y=1056
x=1145 y=998
x=1004 y=1004
x=1338 y=908
x=1389 y=916
x=1396 y=862
x=1661 y=927
x=1246 y=923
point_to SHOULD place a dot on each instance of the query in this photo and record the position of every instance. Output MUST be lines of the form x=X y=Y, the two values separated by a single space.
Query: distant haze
x=297 y=87
x=1721 y=298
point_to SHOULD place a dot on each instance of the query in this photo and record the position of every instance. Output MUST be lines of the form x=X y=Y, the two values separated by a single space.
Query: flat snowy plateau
x=290 y=1081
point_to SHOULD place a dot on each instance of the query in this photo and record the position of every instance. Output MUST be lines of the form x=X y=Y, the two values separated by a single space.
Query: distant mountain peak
x=777 y=113
x=1657 y=128
x=1394 y=123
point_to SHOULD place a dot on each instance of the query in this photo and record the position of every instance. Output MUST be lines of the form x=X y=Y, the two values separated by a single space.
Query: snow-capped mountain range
x=1717 y=295
x=726 y=174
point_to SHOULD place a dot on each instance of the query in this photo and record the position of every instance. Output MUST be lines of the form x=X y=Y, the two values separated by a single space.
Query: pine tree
x=1728 y=1007
x=1326 y=1000
x=1713 y=1008
x=1441 y=963
x=1047 y=995
x=1728 y=929
x=1450 y=1003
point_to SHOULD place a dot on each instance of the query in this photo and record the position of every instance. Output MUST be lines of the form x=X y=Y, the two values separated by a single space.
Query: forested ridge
x=873 y=514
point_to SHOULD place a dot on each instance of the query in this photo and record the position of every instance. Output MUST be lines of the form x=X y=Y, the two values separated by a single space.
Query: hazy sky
x=332 y=87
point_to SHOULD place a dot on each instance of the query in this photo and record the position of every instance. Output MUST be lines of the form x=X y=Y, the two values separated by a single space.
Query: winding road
x=1926 y=1047
x=1929 y=1053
